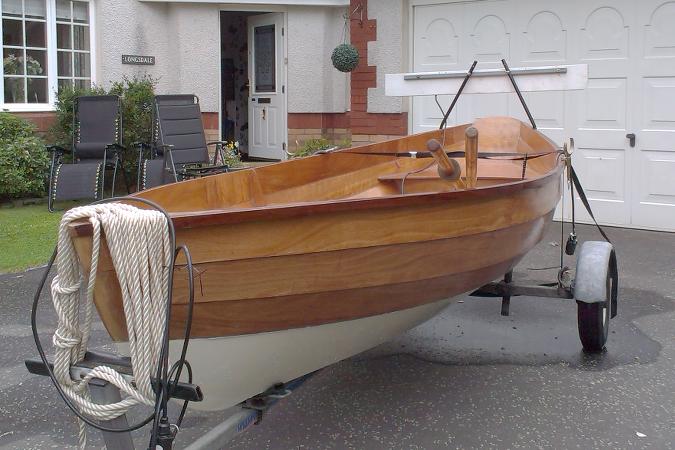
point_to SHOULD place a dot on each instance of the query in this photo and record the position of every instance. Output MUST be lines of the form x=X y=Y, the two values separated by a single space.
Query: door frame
x=282 y=60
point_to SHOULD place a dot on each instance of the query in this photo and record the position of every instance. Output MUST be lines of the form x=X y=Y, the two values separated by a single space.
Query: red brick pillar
x=368 y=126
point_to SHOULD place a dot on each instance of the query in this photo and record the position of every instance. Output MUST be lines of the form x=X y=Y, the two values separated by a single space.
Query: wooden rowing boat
x=306 y=262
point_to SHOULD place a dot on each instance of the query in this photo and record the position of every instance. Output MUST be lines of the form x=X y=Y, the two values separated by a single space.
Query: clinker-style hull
x=293 y=250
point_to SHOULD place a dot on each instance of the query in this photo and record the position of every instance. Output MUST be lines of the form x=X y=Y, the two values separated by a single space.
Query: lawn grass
x=27 y=236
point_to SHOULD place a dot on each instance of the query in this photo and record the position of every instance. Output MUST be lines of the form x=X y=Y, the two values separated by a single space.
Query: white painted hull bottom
x=232 y=369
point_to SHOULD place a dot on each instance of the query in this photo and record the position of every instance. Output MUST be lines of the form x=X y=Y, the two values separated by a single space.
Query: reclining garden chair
x=179 y=149
x=96 y=147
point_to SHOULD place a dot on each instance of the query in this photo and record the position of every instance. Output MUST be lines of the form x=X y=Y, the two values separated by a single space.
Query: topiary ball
x=345 y=57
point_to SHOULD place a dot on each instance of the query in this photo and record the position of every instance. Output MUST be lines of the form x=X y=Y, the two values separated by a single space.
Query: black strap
x=444 y=122
x=515 y=156
x=584 y=200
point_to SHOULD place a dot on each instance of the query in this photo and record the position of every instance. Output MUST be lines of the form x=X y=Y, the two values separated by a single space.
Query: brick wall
x=368 y=127
x=211 y=128
x=305 y=126
x=42 y=120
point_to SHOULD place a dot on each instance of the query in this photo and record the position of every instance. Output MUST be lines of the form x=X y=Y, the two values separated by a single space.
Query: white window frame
x=52 y=72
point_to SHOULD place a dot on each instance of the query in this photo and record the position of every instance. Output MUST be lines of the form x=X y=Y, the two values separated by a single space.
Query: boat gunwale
x=211 y=217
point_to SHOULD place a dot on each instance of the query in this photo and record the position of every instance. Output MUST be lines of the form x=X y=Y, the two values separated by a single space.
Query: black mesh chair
x=96 y=147
x=179 y=149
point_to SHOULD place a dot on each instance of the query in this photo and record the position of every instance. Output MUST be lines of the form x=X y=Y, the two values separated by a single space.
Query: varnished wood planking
x=280 y=313
x=363 y=228
x=502 y=251
x=351 y=229
x=357 y=267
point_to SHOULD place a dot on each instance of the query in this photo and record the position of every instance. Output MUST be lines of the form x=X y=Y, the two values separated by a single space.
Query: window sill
x=26 y=107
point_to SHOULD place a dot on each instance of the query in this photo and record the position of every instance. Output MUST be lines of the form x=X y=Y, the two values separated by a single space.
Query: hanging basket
x=345 y=57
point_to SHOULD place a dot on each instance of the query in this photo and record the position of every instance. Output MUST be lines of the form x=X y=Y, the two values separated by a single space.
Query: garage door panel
x=544 y=39
x=604 y=35
x=660 y=32
x=547 y=108
x=436 y=37
x=604 y=104
x=427 y=114
x=601 y=172
x=658 y=168
x=658 y=103
x=490 y=40
x=486 y=105
x=656 y=192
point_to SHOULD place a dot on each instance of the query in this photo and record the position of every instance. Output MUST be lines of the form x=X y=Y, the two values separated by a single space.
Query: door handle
x=263 y=114
x=631 y=139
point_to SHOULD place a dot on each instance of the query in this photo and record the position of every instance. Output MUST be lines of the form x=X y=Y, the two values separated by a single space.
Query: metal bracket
x=243 y=416
x=183 y=391
x=506 y=298
x=507 y=289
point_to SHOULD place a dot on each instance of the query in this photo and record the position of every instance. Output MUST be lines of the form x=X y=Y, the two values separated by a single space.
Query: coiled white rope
x=140 y=248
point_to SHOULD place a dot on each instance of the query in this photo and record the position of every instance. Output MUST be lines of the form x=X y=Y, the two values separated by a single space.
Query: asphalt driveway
x=468 y=378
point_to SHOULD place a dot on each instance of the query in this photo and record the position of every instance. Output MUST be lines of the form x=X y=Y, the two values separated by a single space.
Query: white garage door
x=630 y=49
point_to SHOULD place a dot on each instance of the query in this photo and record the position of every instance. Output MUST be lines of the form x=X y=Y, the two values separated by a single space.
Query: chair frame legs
x=50 y=193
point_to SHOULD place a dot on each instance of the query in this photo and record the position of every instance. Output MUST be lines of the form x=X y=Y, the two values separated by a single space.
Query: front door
x=267 y=92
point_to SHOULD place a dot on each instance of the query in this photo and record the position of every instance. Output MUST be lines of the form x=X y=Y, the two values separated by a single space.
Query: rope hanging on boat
x=141 y=253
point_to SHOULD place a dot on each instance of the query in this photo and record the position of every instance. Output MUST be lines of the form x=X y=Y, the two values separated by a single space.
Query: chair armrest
x=216 y=143
x=116 y=147
x=56 y=149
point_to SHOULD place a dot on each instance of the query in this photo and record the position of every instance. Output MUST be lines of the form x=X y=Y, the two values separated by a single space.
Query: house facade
x=263 y=73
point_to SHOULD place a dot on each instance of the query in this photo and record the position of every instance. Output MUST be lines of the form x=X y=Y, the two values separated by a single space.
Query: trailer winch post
x=105 y=393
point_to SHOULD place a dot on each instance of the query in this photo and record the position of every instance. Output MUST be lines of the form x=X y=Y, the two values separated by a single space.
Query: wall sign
x=138 y=60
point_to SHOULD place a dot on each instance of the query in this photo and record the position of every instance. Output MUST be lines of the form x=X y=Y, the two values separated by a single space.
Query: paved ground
x=468 y=378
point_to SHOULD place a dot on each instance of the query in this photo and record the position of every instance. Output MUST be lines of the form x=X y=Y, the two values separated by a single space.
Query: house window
x=24 y=51
x=72 y=44
x=46 y=44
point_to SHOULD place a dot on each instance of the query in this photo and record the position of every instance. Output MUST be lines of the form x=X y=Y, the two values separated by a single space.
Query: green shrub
x=12 y=126
x=24 y=163
x=232 y=155
x=311 y=146
x=137 y=95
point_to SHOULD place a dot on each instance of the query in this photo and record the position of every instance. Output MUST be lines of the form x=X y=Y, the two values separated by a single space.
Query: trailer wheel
x=593 y=321
x=595 y=290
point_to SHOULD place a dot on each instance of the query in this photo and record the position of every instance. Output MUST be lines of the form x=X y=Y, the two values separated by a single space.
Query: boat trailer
x=237 y=419
x=594 y=288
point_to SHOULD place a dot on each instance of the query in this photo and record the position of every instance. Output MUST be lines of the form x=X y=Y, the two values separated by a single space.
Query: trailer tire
x=595 y=290
x=593 y=319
